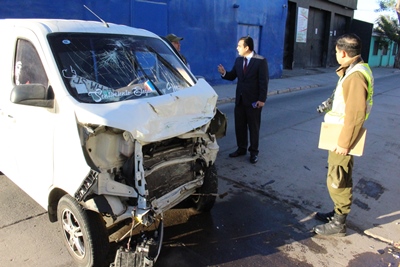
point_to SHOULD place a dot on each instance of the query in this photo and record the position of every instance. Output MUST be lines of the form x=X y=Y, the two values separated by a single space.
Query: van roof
x=46 y=26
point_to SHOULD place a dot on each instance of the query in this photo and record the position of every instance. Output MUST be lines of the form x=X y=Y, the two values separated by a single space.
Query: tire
x=84 y=233
x=205 y=203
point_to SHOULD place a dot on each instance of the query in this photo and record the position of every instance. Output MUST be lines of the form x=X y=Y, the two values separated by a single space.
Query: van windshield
x=102 y=68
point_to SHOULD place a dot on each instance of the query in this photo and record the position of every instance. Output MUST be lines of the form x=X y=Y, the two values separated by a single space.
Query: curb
x=225 y=100
x=293 y=89
x=275 y=92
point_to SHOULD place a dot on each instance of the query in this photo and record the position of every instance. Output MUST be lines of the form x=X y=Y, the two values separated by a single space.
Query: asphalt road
x=258 y=223
x=245 y=228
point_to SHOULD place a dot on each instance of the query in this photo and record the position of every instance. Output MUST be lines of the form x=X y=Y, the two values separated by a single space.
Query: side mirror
x=32 y=95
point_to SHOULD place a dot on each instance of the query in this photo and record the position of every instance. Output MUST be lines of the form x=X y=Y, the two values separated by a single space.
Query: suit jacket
x=253 y=85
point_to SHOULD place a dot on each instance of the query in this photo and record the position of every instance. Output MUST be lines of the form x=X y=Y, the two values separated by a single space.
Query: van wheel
x=204 y=202
x=84 y=233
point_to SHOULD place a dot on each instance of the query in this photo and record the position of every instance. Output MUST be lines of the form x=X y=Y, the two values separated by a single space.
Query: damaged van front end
x=120 y=131
x=148 y=131
x=137 y=177
x=156 y=161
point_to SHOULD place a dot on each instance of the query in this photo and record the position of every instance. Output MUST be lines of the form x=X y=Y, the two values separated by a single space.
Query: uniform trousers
x=340 y=181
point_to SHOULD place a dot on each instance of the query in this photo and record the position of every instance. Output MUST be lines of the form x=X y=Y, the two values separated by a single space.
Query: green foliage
x=388 y=27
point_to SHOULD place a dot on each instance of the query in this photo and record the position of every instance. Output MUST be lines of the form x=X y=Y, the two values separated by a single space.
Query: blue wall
x=117 y=11
x=209 y=27
x=211 y=33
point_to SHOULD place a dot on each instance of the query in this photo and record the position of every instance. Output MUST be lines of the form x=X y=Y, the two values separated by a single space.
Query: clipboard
x=330 y=133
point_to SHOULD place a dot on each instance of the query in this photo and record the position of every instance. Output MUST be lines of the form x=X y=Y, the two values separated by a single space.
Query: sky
x=365 y=10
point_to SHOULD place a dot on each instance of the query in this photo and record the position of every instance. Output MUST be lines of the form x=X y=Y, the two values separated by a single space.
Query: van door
x=7 y=162
x=30 y=129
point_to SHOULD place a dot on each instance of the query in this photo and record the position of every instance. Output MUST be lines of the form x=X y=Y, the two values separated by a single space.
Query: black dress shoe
x=237 y=153
x=253 y=159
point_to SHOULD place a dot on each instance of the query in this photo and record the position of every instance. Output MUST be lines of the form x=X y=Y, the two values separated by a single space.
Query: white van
x=103 y=123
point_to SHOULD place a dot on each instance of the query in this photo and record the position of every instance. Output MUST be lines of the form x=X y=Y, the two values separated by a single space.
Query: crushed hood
x=156 y=118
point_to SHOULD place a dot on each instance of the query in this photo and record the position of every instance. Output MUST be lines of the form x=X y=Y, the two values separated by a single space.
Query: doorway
x=288 y=50
x=317 y=37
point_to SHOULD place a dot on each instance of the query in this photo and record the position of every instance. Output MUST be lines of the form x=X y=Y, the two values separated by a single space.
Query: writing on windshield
x=108 y=68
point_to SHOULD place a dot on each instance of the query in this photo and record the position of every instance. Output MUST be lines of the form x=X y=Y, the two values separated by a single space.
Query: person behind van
x=176 y=42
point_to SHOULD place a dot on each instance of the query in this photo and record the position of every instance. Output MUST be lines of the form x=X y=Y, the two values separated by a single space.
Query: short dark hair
x=350 y=43
x=248 y=41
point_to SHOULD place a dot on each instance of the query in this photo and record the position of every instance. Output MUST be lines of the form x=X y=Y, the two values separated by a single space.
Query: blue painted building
x=212 y=31
x=289 y=33
x=211 y=28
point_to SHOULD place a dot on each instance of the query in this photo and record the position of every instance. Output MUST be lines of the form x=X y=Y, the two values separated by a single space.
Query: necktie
x=245 y=65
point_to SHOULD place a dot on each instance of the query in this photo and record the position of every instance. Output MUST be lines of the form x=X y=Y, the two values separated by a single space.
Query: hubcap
x=73 y=233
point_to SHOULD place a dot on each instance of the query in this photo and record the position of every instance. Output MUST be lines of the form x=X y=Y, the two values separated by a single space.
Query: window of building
x=376 y=48
x=385 y=50
x=394 y=50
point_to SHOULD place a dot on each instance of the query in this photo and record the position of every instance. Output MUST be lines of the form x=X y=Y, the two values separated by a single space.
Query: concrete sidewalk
x=376 y=209
x=295 y=80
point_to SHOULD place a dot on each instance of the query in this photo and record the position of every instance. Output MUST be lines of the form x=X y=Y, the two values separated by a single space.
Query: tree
x=388 y=27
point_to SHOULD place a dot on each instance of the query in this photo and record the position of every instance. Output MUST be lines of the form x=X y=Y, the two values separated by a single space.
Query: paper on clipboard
x=330 y=133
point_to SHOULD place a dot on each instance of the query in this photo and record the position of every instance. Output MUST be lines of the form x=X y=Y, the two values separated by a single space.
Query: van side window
x=28 y=67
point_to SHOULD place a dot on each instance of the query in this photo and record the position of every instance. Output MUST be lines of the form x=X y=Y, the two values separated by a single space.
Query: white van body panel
x=69 y=162
x=28 y=130
x=156 y=118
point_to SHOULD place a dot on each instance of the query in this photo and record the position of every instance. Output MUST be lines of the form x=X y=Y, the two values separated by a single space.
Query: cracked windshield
x=111 y=68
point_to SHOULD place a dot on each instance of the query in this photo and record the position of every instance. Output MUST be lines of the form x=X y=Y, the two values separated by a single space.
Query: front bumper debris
x=144 y=255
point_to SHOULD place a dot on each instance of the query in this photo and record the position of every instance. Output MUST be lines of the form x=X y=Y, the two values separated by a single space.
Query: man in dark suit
x=251 y=71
